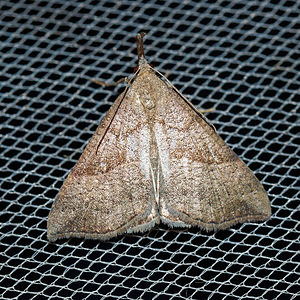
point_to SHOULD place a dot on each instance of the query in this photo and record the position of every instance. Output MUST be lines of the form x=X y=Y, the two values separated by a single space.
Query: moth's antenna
x=140 y=48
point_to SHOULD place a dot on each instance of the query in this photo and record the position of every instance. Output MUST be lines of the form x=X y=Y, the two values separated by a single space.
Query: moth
x=155 y=158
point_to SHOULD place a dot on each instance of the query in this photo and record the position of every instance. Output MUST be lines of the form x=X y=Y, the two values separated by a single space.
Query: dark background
x=241 y=57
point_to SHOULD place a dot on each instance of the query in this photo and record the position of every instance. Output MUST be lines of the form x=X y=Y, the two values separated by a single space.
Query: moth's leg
x=167 y=74
x=208 y=110
x=107 y=84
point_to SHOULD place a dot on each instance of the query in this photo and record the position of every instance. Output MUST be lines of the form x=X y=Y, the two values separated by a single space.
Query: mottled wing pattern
x=203 y=182
x=108 y=191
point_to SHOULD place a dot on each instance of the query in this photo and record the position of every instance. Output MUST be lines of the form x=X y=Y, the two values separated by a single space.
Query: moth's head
x=143 y=66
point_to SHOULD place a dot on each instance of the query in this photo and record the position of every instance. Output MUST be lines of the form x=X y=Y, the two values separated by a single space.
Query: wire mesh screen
x=240 y=57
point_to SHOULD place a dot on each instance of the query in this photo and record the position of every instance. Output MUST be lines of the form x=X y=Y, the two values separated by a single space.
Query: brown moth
x=155 y=158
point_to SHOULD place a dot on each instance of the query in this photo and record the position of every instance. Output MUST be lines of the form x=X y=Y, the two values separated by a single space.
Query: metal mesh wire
x=241 y=57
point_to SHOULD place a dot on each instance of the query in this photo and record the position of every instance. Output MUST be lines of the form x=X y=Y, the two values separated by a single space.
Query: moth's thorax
x=147 y=88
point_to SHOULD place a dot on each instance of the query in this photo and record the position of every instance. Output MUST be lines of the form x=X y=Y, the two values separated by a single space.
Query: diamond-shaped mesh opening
x=241 y=57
